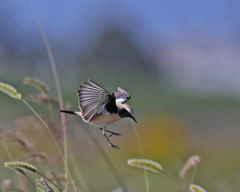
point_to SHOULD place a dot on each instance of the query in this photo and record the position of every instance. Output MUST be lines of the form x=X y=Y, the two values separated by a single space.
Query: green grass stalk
x=11 y=158
x=59 y=95
x=107 y=159
x=30 y=181
x=193 y=174
x=142 y=156
x=68 y=172
x=84 y=184
x=49 y=180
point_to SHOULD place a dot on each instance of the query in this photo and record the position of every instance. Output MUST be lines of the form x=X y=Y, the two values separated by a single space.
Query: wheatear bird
x=100 y=107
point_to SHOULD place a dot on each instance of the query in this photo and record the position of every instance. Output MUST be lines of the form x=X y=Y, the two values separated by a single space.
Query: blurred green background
x=178 y=60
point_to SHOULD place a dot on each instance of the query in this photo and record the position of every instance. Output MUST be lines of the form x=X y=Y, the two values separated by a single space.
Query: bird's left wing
x=122 y=95
x=93 y=100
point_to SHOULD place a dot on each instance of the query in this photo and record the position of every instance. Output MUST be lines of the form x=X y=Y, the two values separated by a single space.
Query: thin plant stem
x=58 y=90
x=142 y=155
x=55 y=177
x=53 y=68
x=39 y=118
x=49 y=180
x=11 y=158
x=15 y=189
x=66 y=158
x=30 y=181
x=51 y=110
x=52 y=139
x=7 y=151
x=194 y=174
x=52 y=171
x=106 y=159
x=173 y=179
x=84 y=184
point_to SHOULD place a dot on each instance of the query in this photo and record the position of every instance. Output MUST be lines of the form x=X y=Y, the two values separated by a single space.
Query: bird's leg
x=112 y=133
x=110 y=143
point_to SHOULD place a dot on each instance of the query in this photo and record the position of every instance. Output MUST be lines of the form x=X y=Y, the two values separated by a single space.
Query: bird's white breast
x=104 y=119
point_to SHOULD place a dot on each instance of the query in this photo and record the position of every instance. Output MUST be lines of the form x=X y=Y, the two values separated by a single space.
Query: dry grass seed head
x=45 y=184
x=5 y=131
x=18 y=170
x=40 y=85
x=23 y=142
x=40 y=190
x=196 y=188
x=21 y=165
x=39 y=182
x=118 y=190
x=10 y=90
x=28 y=120
x=44 y=99
x=34 y=156
x=193 y=161
x=60 y=177
x=6 y=185
x=145 y=164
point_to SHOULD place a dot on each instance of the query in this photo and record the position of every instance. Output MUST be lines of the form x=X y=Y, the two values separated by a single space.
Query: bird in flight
x=100 y=107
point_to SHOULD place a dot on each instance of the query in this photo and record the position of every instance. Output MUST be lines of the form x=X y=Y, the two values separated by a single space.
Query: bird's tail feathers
x=71 y=112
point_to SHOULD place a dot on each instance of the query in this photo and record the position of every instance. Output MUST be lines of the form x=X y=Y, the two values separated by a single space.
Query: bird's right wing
x=93 y=100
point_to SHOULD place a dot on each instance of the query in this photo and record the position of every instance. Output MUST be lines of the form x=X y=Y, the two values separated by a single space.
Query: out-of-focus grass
x=172 y=126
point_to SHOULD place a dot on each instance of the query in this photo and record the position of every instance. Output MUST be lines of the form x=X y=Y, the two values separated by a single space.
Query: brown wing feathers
x=91 y=96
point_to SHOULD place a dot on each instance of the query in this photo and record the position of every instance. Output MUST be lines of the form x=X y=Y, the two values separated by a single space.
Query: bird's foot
x=113 y=146
x=112 y=133
x=110 y=143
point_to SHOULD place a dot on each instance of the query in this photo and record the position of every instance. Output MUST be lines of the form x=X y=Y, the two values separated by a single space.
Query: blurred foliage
x=173 y=124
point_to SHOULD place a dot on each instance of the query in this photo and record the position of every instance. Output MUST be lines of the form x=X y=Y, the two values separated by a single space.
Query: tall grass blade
x=11 y=158
x=142 y=155
x=59 y=95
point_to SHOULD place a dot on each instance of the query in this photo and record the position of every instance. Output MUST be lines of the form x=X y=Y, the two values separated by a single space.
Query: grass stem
x=173 y=179
x=142 y=156
x=59 y=96
x=11 y=158
x=107 y=159
x=52 y=139
x=77 y=169
x=49 y=180
x=31 y=181
x=194 y=174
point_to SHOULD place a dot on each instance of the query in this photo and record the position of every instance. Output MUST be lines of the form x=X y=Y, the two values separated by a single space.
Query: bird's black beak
x=134 y=119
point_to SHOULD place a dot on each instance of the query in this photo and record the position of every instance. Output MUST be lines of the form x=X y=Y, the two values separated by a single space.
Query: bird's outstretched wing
x=122 y=95
x=93 y=100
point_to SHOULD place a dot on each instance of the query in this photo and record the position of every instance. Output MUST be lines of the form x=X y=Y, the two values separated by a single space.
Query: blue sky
x=78 y=23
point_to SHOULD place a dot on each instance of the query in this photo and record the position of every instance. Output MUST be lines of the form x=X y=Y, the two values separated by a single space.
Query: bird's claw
x=117 y=134
x=113 y=146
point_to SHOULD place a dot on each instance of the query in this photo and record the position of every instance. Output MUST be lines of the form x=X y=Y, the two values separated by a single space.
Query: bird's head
x=126 y=111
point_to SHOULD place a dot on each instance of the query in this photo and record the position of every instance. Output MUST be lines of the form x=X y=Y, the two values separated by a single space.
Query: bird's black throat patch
x=111 y=106
x=123 y=113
